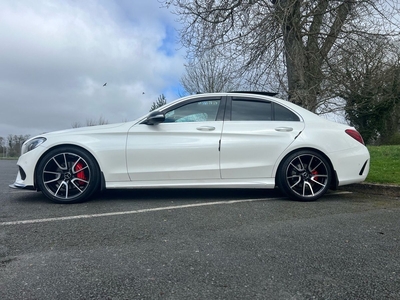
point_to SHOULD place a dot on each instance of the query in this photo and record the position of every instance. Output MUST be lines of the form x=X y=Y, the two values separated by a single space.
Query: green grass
x=385 y=164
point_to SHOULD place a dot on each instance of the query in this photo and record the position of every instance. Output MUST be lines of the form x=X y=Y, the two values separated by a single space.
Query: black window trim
x=228 y=114
x=220 y=113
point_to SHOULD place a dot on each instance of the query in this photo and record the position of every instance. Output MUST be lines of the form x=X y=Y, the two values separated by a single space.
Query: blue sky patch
x=169 y=43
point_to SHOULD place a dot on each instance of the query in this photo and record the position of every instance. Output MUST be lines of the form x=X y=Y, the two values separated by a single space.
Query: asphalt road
x=198 y=244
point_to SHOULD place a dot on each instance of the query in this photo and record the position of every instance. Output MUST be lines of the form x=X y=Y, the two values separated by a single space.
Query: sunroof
x=255 y=92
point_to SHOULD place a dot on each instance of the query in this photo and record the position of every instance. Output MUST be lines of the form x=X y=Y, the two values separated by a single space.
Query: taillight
x=355 y=135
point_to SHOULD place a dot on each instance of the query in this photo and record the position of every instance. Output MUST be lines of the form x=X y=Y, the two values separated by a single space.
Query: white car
x=220 y=140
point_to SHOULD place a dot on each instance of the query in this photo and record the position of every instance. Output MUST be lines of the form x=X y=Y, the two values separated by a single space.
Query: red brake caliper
x=315 y=173
x=81 y=174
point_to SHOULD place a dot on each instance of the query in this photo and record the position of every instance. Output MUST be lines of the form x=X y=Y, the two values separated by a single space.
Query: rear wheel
x=304 y=175
x=68 y=175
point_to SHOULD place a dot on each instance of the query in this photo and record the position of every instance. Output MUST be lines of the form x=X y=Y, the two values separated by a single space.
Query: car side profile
x=218 y=140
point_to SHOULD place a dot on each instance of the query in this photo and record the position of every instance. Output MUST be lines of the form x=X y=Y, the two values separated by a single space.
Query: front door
x=184 y=147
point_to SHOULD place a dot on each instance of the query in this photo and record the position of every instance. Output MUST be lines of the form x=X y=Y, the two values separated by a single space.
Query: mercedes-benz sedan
x=221 y=140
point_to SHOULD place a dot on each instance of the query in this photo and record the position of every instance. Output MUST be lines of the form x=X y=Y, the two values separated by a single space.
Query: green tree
x=369 y=81
x=160 y=102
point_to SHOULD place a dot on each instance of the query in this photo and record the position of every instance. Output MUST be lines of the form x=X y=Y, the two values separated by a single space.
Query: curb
x=373 y=188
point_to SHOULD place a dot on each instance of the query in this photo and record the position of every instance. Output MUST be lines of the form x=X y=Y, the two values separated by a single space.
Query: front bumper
x=26 y=169
x=20 y=184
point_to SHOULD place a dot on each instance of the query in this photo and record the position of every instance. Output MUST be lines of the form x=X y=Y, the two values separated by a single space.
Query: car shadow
x=170 y=194
x=182 y=194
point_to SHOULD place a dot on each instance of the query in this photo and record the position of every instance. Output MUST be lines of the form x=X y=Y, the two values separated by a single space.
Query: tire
x=67 y=175
x=304 y=175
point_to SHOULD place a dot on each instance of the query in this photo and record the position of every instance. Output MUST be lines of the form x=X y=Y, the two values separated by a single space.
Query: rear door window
x=244 y=110
x=253 y=110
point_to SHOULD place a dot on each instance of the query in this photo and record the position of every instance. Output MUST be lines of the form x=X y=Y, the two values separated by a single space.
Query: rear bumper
x=351 y=165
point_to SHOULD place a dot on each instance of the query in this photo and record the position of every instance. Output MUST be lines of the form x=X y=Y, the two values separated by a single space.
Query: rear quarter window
x=284 y=114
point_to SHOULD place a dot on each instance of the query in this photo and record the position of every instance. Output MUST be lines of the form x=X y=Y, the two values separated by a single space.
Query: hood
x=81 y=130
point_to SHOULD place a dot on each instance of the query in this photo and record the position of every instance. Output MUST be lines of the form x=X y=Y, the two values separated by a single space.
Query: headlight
x=32 y=144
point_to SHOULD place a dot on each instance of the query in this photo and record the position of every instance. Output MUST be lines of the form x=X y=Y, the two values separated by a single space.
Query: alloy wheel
x=66 y=175
x=307 y=175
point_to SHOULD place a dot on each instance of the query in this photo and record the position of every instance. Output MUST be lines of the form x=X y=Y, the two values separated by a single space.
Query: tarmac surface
x=374 y=189
x=200 y=244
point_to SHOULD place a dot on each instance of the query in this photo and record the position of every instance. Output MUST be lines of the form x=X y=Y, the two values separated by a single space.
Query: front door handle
x=206 y=128
x=284 y=129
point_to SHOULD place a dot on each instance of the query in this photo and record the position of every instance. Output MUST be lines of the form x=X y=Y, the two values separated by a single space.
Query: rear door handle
x=284 y=129
x=206 y=128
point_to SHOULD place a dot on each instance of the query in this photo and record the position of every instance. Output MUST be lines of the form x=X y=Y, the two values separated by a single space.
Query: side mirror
x=155 y=118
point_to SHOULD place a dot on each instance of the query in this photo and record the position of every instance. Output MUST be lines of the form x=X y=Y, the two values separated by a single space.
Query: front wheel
x=67 y=175
x=304 y=175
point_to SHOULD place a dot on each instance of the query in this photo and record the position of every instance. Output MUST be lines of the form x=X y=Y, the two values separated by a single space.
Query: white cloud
x=56 y=56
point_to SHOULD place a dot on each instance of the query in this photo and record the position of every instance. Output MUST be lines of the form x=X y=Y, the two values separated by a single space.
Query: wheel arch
x=334 y=182
x=102 y=179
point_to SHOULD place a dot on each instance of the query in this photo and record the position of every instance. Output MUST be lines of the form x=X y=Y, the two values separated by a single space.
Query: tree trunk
x=305 y=54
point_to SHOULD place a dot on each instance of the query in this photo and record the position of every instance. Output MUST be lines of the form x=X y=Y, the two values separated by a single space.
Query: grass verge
x=385 y=164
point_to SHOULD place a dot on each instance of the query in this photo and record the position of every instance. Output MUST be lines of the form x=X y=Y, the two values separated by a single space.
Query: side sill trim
x=21 y=186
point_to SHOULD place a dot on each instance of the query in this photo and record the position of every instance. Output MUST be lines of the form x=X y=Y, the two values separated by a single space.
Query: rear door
x=254 y=135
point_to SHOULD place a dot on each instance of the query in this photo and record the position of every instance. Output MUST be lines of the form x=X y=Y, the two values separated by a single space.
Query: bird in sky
x=105 y=84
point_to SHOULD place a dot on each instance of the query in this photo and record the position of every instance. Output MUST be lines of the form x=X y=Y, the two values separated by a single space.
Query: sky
x=55 y=57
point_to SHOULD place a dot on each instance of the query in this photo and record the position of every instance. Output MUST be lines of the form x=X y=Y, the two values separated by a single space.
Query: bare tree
x=2 y=147
x=14 y=144
x=76 y=125
x=208 y=74
x=286 y=43
x=100 y=121
x=91 y=122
